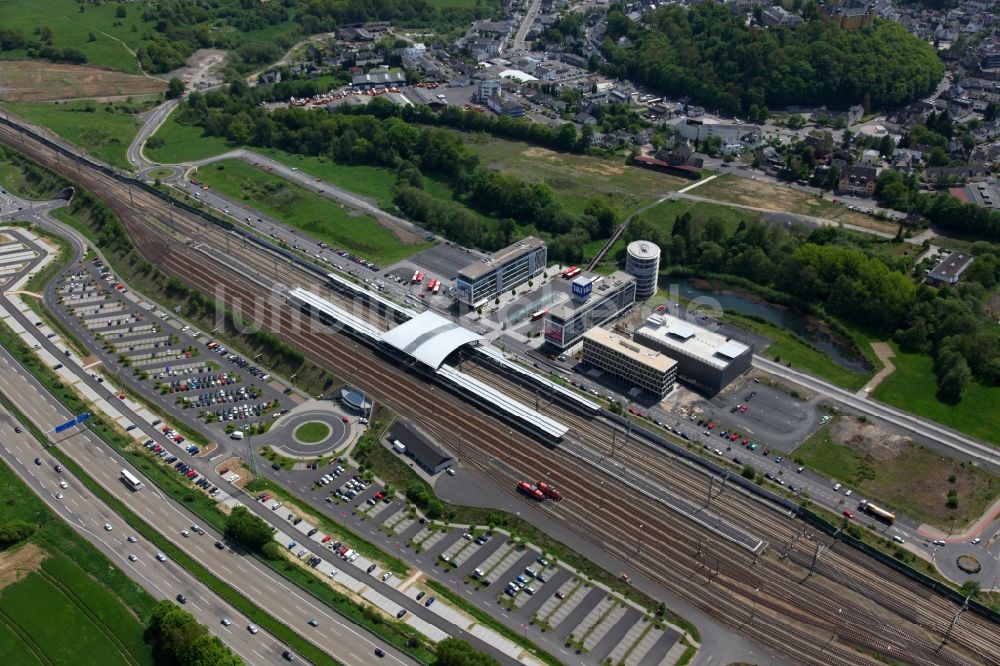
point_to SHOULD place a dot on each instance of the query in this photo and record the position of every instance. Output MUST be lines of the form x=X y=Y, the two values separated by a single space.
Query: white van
x=237 y=434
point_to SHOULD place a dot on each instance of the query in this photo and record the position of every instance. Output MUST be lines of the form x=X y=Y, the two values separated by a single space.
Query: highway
x=265 y=588
x=87 y=514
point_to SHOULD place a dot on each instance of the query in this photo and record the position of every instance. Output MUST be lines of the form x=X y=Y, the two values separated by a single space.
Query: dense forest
x=831 y=272
x=711 y=55
x=383 y=134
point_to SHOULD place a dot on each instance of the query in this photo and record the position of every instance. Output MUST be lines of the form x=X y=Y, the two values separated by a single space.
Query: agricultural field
x=177 y=143
x=576 y=178
x=56 y=579
x=913 y=388
x=56 y=595
x=103 y=130
x=41 y=81
x=771 y=196
x=893 y=471
x=321 y=218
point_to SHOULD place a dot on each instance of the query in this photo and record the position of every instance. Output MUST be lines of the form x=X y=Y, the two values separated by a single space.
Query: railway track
x=161 y=233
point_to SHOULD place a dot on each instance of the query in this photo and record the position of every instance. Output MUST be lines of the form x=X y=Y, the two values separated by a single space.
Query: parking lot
x=515 y=582
x=180 y=369
x=761 y=412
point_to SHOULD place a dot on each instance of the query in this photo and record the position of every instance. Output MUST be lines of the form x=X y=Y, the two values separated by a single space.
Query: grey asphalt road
x=87 y=514
x=149 y=127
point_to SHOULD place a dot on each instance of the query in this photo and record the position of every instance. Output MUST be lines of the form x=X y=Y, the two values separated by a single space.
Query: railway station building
x=623 y=359
x=595 y=300
x=502 y=271
x=706 y=360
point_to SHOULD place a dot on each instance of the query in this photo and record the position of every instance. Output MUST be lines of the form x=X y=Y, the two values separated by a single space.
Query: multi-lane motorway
x=87 y=514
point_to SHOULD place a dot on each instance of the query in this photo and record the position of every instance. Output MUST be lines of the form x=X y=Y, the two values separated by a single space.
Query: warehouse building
x=595 y=300
x=705 y=360
x=505 y=269
x=629 y=362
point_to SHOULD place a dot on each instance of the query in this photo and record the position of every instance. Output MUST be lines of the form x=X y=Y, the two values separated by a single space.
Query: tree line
x=710 y=54
x=831 y=272
x=383 y=135
x=180 y=640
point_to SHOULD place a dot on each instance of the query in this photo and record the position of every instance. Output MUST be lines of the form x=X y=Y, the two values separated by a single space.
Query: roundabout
x=310 y=431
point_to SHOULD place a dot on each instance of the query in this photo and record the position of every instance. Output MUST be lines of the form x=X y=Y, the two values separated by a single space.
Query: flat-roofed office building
x=502 y=271
x=705 y=360
x=624 y=359
x=595 y=300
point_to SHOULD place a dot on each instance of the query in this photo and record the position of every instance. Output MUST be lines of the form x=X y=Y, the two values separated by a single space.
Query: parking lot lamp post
x=638 y=549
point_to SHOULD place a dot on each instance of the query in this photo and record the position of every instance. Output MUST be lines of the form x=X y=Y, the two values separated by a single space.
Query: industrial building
x=502 y=271
x=595 y=300
x=642 y=261
x=629 y=362
x=705 y=360
x=423 y=451
x=949 y=269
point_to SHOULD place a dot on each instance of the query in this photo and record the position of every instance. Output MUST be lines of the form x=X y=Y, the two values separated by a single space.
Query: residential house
x=857 y=180
x=949 y=270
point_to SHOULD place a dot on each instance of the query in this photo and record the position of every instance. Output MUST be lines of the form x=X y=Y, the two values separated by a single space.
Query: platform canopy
x=429 y=338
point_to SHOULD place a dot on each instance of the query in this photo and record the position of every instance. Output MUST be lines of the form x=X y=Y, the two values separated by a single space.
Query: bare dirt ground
x=202 y=69
x=36 y=81
x=868 y=439
x=762 y=194
x=17 y=564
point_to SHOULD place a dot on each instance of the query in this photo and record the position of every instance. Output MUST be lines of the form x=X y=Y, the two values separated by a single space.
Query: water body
x=786 y=318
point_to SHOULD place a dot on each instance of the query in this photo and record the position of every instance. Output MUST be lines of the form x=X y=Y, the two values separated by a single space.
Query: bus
x=431 y=285
x=129 y=480
x=437 y=286
x=414 y=278
x=881 y=513
x=538 y=315
x=572 y=272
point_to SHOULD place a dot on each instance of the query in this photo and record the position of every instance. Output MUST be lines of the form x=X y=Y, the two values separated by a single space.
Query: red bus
x=420 y=276
x=572 y=273
x=416 y=275
x=538 y=315
x=431 y=285
x=437 y=286
x=567 y=271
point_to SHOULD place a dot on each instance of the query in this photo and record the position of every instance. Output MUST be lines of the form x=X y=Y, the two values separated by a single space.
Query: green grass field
x=663 y=214
x=183 y=143
x=801 y=356
x=23 y=180
x=911 y=479
x=72 y=28
x=576 y=178
x=75 y=586
x=312 y=432
x=105 y=134
x=61 y=625
x=320 y=217
x=373 y=182
x=913 y=387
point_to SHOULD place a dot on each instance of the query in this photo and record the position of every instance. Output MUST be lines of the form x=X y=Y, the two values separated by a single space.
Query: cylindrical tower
x=643 y=263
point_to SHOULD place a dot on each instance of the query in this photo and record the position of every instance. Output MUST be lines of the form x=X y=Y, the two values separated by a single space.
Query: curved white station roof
x=429 y=338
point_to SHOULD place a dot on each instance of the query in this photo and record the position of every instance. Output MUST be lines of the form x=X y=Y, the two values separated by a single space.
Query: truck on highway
x=530 y=490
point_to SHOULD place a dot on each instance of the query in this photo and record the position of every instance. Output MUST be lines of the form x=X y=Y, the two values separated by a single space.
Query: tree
x=120 y=12
x=15 y=531
x=456 y=652
x=749 y=472
x=971 y=588
x=175 y=88
x=955 y=379
x=247 y=529
x=179 y=639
